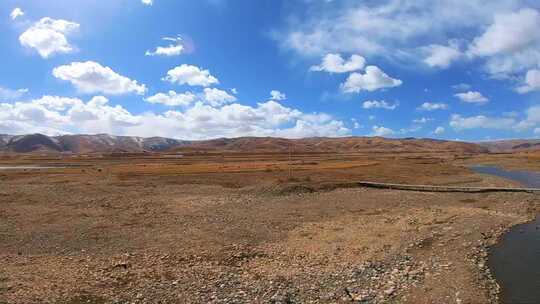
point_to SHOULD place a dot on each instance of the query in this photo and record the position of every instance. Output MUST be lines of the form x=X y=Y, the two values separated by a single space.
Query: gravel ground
x=66 y=238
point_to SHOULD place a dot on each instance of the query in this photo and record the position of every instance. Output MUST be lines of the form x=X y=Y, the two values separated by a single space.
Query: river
x=515 y=260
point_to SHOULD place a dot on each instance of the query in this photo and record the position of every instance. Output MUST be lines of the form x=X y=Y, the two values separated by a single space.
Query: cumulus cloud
x=334 y=63
x=57 y=115
x=175 y=48
x=391 y=28
x=56 y=103
x=277 y=95
x=381 y=131
x=217 y=97
x=422 y=120
x=461 y=87
x=375 y=104
x=7 y=94
x=172 y=98
x=530 y=119
x=511 y=43
x=356 y=125
x=459 y=122
x=432 y=106
x=441 y=56
x=509 y=33
x=147 y=2
x=190 y=75
x=16 y=13
x=212 y=96
x=49 y=36
x=439 y=130
x=91 y=77
x=472 y=97
x=503 y=34
x=532 y=82
x=373 y=79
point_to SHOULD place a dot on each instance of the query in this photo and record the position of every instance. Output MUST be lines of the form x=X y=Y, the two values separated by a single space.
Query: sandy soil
x=249 y=229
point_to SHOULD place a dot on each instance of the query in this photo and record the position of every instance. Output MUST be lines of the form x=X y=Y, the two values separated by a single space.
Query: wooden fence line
x=428 y=188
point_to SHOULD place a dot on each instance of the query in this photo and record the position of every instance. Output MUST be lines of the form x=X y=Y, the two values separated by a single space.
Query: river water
x=515 y=260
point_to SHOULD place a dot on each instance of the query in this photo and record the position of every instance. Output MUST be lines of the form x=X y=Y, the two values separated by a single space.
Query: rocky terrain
x=247 y=229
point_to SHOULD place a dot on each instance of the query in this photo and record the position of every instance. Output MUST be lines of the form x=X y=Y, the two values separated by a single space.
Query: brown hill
x=32 y=143
x=103 y=143
x=512 y=145
x=323 y=144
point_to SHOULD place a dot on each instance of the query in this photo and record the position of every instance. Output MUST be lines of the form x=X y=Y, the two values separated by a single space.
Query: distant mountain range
x=103 y=143
x=512 y=145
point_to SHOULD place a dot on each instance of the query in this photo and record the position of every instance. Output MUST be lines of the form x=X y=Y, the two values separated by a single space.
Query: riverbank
x=513 y=258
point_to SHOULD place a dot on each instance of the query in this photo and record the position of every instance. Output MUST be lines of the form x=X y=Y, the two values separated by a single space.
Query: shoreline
x=481 y=255
x=495 y=238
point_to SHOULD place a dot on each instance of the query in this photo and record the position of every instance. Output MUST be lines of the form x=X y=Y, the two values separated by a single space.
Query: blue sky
x=297 y=68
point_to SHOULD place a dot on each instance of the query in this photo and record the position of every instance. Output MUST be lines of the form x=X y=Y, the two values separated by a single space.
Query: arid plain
x=230 y=227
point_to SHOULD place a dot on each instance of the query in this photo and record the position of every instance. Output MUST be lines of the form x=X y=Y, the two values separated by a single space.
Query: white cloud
x=211 y=96
x=16 y=13
x=381 y=131
x=334 y=63
x=532 y=82
x=441 y=56
x=511 y=66
x=58 y=115
x=461 y=87
x=372 y=80
x=56 y=103
x=430 y=106
x=174 y=49
x=422 y=120
x=410 y=129
x=504 y=34
x=459 y=122
x=191 y=75
x=510 y=122
x=511 y=43
x=509 y=32
x=472 y=97
x=216 y=97
x=98 y=117
x=172 y=98
x=7 y=94
x=277 y=95
x=375 y=104
x=532 y=118
x=147 y=2
x=392 y=29
x=91 y=77
x=48 y=36
x=439 y=130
